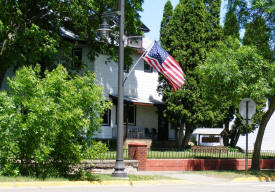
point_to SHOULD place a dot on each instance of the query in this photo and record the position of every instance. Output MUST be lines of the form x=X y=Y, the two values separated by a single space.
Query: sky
x=153 y=12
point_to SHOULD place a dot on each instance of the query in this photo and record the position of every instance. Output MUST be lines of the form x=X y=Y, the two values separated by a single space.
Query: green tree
x=165 y=40
x=30 y=30
x=164 y=26
x=214 y=36
x=233 y=72
x=46 y=124
x=257 y=34
x=214 y=29
x=266 y=6
x=231 y=28
x=231 y=25
x=187 y=44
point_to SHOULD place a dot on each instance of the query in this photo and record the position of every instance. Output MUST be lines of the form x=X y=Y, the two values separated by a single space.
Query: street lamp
x=104 y=29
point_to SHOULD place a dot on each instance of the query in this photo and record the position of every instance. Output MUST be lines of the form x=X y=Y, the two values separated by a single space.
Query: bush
x=233 y=149
x=46 y=123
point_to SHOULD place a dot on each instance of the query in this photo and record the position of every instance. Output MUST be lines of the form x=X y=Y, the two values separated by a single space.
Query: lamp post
x=104 y=28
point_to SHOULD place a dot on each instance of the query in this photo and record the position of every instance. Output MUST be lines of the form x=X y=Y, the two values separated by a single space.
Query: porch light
x=104 y=29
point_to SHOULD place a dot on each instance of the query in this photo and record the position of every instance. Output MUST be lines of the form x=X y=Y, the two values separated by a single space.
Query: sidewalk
x=203 y=179
x=176 y=178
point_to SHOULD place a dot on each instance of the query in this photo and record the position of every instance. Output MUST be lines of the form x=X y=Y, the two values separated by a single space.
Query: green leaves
x=48 y=120
x=232 y=72
x=30 y=31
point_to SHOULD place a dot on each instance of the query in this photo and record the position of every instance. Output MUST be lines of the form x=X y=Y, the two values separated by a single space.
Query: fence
x=189 y=154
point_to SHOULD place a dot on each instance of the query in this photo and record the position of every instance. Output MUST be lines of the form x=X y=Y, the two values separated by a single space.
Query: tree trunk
x=176 y=135
x=235 y=138
x=179 y=143
x=188 y=132
x=260 y=135
x=226 y=136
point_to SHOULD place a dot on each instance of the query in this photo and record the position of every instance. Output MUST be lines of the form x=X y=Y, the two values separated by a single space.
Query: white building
x=142 y=101
x=209 y=136
x=140 y=96
x=268 y=139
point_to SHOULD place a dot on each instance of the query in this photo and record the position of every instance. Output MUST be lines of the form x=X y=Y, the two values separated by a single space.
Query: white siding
x=147 y=117
x=268 y=139
x=139 y=85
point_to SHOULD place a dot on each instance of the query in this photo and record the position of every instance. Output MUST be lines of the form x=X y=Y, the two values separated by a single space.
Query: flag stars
x=158 y=53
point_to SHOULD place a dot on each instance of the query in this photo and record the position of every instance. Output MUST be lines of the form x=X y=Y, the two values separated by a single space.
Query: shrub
x=46 y=123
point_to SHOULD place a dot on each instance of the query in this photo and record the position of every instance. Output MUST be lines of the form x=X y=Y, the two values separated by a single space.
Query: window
x=77 y=57
x=107 y=118
x=147 y=67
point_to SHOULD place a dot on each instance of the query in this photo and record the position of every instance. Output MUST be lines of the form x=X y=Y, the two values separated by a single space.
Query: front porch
x=141 y=133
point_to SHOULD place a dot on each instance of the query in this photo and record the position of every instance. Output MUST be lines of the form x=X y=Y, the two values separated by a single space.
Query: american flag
x=165 y=64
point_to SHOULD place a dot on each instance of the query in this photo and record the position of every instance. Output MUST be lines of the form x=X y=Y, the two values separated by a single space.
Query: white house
x=140 y=96
x=142 y=102
x=268 y=139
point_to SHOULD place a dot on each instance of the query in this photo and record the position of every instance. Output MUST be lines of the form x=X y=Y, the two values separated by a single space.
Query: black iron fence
x=112 y=155
x=191 y=154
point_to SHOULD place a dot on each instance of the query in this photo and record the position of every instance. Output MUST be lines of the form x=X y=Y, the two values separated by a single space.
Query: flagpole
x=132 y=68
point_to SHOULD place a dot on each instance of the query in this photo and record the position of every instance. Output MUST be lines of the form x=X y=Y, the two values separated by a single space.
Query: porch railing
x=137 y=133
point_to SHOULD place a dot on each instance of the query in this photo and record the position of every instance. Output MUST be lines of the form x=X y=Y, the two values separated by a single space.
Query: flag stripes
x=162 y=62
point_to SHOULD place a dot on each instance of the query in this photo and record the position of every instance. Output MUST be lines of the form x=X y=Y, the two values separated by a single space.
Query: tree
x=187 y=44
x=257 y=34
x=164 y=26
x=46 y=124
x=214 y=36
x=265 y=9
x=214 y=29
x=231 y=28
x=30 y=30
x=231 y=25
x=235 y=72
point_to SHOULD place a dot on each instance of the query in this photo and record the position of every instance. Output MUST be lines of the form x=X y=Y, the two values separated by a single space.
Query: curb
x=255 y=179
x=95 y=183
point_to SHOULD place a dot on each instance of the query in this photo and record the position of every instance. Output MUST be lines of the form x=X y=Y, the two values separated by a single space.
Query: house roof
x=68 y=34
x=144 y=28
x=137 y=101
x=208 y=131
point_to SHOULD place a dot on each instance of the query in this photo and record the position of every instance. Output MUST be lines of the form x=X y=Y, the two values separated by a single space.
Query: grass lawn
x=234 y=173
x=28 y=179
x=88 y=177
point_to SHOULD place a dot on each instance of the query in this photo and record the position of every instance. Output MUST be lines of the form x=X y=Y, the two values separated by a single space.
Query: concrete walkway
x=175 y=178
x=190 y=177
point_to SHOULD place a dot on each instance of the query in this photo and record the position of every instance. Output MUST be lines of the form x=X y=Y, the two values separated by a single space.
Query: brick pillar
x=138 y=151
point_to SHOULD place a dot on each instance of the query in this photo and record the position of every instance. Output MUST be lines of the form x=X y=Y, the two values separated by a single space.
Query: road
x=217 y=187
